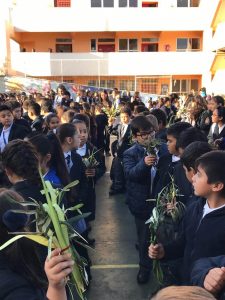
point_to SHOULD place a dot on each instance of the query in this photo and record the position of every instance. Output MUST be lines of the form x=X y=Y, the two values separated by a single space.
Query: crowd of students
x=56 y=133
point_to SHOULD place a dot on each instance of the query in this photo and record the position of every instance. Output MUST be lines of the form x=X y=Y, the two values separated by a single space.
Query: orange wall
x=81 y=41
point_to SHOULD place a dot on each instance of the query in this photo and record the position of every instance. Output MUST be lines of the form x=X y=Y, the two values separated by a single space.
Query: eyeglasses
x=145 y=134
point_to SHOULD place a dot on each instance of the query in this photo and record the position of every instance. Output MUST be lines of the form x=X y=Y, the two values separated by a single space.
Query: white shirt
x=124 y=127
x=69 y=162
x=220 y=128
x=4 y=138
x=82 y=150
x=175 y=158
x=207 y=209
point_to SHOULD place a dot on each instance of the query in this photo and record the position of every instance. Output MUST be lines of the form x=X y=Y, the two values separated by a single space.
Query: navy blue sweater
x=199 y=237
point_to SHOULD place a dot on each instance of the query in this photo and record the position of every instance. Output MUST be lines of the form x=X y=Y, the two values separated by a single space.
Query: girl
x=51 y=123
x=20 y=161
x=24 y=278
x=217 y=130
x=85 y=150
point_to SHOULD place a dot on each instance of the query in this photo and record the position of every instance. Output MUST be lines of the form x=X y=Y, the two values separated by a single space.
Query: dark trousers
x=143 y=235
x=117 y=174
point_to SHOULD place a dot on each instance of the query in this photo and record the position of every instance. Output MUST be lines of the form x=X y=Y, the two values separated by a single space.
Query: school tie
x=68 y=161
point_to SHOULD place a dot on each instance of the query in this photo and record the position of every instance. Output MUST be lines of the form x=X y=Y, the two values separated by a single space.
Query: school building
x=157 y=47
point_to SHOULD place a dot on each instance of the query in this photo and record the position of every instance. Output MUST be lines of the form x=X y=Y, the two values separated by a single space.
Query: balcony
x=218 y=38
x=111 y=64
x=85 y=19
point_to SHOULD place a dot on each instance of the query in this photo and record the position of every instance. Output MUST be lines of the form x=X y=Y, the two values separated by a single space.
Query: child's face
x=213 y=105
x=125 y=118
x=83 y=132
x=6 y=118
x=200 y=183
x=215 y=117
x=17 y=113
x=189 y=174
x=54 y=123
x=171 y=144
x=144 y=137
x=76 y=140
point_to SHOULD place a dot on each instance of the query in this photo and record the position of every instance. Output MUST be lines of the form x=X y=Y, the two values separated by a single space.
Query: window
x=150 y=40
x=63 y=40
x=127 y=85
x=63 y=48
x=149 y=85
x=150 y=4
x=188 y=44
x=128 y=45
x=188 y=3
x=106 y=40
x=62 y=3
x=102 y=3
x=92 y=83
x=149 y=45
x=184 y=85
x=107 y=83
x=126 y=3
x=93 y=45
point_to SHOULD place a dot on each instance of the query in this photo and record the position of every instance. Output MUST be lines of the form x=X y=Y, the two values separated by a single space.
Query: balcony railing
x=111 y=64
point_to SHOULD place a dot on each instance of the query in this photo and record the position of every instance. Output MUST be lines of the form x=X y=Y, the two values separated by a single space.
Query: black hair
x=49 y=117
x=213 y=164
x=46 y=105
x=189 y=136
x=176 y=129
x=221 y=113
x=21 y=158
x=219 y=100
x=35 y=108
x=192 y=152
x=160 y=116
x=49 y=143
x=4 y=107
x=84 y=118
x=140 y=123
x=65 y=130
x=29 y=264
x=13 y=104
x=140 y=108
x=126 y=110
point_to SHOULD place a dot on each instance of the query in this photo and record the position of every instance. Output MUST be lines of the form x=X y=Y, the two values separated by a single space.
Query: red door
x=106 y=48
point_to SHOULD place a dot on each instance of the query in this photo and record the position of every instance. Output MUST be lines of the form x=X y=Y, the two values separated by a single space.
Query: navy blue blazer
x=16 y=132
x=199 y=238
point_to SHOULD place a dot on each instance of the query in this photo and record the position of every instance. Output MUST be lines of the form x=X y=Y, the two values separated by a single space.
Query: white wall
x=112 y=64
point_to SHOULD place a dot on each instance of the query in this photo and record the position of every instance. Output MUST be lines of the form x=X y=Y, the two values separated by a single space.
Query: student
x=85 y=150
x=51 y=159
x=51 y=123
x=122 y=143
x=199 y=238
x=217 y=131
x=16 y=110
x=34 y=113
x=137 y=169
x=46 y=107
x=167 y=163
x=70 y=141
x=162 y=122
x=24 y=278
x=8 y=130
x=182 y=293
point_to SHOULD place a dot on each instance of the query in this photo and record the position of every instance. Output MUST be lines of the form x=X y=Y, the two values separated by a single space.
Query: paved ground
x=115 y=259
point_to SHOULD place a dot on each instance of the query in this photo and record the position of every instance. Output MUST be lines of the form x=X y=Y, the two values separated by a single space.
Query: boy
x=34 y=113
x=162 y=121
x=199 y=238
x=16 y=110
x=137 y=165
x=122 y=143
x=167 y=163
x=8 y=130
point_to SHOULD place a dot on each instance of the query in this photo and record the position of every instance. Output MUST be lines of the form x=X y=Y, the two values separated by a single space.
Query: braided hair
x=21 y=158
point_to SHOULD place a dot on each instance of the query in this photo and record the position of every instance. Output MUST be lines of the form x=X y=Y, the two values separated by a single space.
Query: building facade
x=155 y=47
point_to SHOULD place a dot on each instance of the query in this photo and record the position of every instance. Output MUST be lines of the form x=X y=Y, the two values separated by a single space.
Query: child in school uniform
x=138 y=167
x=85 y=150
x=203 y=233
x=123 y=142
